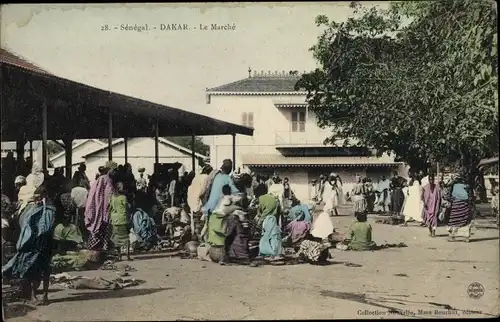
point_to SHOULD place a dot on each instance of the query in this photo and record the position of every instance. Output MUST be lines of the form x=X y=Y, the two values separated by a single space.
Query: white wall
x=78 y=154
x=140 y=154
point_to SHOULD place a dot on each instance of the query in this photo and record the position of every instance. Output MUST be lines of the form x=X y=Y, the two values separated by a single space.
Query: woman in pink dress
x=432 y=202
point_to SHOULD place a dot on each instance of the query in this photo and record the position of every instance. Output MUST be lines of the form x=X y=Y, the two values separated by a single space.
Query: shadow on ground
x=16 y=310
x=116 y=294
x=475 y=240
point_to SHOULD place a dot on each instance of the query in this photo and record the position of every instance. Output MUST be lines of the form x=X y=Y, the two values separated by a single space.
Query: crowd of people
x=232 y=217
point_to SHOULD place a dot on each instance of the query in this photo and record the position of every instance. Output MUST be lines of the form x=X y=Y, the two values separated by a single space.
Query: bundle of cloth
x=228 y=232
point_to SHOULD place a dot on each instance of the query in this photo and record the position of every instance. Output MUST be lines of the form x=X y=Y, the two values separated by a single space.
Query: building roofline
x=76 y=146
x=162 y=140
x=255 y=93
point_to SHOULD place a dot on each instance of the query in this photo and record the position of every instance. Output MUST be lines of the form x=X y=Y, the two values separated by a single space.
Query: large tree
x=418 y=79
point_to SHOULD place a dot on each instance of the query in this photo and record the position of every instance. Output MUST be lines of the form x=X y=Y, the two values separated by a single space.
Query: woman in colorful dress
x=97 y=219
x=432 y=203
x=462 y=210
x=31 y=263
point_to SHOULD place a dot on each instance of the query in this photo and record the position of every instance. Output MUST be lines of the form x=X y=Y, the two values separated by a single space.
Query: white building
x=286 y=139
x=141 y=153
x=80 y=149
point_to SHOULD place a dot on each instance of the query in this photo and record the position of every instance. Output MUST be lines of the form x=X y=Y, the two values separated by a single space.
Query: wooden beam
x=125 y=141
x=110 y=136
x=157 y=149
x=193 y=154
x=44 y=135
x=62 y=145
x=68 y=143
x=234 y=151
x=31 y=153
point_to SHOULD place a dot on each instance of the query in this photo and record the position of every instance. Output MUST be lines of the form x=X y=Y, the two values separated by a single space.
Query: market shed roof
x=83 y=110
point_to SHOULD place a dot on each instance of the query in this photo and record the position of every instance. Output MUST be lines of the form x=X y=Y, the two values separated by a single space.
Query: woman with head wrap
x=18 y=183
x=462 y=210
x=97 y=220
x=358 y=196
x=413 y=204
x=33 y=181
x=268 y=212
x=67 y=235
x=31 y=263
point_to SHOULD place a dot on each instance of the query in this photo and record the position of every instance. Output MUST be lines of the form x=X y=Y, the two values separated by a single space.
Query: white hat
x=20 y=179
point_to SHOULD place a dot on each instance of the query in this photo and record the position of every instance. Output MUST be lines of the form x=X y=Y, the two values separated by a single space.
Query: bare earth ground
x=433 y=282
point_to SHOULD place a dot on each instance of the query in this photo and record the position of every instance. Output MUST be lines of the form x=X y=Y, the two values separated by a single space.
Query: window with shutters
x=298 y=121
x=247 y=119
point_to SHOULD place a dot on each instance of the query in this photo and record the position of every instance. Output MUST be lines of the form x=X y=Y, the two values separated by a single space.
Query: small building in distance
x=141 y=154
x=80 y=149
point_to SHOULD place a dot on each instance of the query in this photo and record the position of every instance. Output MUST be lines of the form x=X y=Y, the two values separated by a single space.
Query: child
x=118 y=212
x=360 y=234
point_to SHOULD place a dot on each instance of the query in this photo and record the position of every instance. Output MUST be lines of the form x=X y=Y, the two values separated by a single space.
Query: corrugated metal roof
x=8 y=57
x=266 y=160
x=260 y=84
x=126 y=110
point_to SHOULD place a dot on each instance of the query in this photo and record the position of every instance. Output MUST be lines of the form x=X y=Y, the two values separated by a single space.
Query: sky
x=171 y=67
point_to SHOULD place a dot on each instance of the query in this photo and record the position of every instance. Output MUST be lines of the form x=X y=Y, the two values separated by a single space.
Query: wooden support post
x=19 y=154
x=125 y=141
x=44 y=135
x=31 y=153
x=68 y=152
x=234 y=151
x=193 y=155
x=110 y=137
x=157 y=149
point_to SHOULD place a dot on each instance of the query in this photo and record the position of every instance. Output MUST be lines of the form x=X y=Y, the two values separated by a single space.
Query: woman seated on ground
x=143 y=224
x=31 y=263
x=313 y=250
x=237 y=236
x=299 y=224
x=359 y=236
x=322 y=226
x=300 y=212
x=67 y=236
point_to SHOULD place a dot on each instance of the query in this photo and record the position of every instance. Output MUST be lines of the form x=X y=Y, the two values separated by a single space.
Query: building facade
x=287 y=139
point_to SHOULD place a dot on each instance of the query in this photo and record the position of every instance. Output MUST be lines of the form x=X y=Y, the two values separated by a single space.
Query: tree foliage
x=418 y=79
x=186 y=141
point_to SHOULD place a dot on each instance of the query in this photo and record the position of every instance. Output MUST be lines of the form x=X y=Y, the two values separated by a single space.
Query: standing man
x=142 y=183
x=80 y=178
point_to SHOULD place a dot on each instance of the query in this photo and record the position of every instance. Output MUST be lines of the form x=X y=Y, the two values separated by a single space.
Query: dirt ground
x=429 y=279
